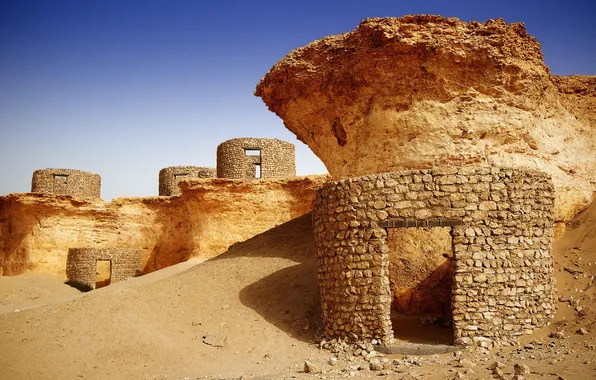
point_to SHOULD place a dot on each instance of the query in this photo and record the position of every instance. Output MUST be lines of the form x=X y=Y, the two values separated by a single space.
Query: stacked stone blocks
x=502 y=271
x=81 y=264
x=170 y=177
x=276 y=158
x=71 y=182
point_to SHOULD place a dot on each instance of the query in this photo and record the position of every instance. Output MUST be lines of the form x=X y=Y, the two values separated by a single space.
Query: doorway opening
x=420 y=278
x=254 y=157
x=103 y=273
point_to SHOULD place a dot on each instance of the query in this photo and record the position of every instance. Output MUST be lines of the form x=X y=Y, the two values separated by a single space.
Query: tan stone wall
x=81 y=264
x=171 y=176
x=503 y=281
x=277 y=158
x=71 y=182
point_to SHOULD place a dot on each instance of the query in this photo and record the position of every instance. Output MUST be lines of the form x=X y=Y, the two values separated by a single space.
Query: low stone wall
x=71 y=182
x=275 y=157
x=81 y=264
x=170 y=177
x=503 y=281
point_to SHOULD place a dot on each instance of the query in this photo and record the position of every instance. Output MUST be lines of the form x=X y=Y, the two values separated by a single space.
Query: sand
x=254 y=312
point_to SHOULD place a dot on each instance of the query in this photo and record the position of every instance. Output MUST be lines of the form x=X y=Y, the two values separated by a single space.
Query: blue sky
x=126 y=88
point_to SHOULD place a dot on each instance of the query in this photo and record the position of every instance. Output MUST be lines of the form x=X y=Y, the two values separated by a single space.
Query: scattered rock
x=310 y=367
x=496 y=365
x=521 y=369
x=214 y=340
x=332 y=361
x=557 y=335
x=376 y=365
x=582 y=331
x=465 y=363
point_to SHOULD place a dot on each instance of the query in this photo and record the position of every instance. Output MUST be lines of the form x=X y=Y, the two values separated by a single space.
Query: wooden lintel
x=407 y=223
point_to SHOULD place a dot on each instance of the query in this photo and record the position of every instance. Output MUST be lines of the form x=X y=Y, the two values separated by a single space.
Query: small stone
x=557 y=335
x=332 y=361
x=310 y=367
x=465 y=363
x=582 y=331
x=214 y=340
x=375 y=365
x=379 y=204
x=521 y=369
x=496 y=365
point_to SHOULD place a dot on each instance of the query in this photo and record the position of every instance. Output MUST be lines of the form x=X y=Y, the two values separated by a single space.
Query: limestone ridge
x=427 y=91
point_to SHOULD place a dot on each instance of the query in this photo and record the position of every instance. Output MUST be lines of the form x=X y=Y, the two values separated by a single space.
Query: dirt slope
x=260 y=300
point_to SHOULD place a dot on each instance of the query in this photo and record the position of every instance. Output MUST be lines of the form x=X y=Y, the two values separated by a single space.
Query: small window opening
x=252 y=152
x=257 y=170
x=60 y=184
x=180 y=176
x=103 y=273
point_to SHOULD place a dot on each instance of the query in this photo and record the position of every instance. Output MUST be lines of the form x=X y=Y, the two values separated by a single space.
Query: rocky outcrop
x=37 y=230
x=426 y=91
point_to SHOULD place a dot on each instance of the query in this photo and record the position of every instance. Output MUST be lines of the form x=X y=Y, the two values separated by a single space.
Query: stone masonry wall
x=503 y=281
x=72 y=182
x=171 y=176
x=277 y=158
x=81 y=264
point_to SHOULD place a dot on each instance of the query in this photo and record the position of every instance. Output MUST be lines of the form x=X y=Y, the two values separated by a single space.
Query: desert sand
x=253 y=313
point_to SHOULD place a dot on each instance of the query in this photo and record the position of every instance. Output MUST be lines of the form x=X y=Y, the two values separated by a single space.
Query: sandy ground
x=253 y=312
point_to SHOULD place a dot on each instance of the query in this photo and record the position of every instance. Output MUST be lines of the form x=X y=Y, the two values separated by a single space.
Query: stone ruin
x=255 y=158
x=71 y=182
x=81 y=264
x=501 y=224
x=170 y=177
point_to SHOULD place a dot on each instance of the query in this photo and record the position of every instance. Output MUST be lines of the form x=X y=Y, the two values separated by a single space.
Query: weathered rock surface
x=36 y=230
x=426 y=91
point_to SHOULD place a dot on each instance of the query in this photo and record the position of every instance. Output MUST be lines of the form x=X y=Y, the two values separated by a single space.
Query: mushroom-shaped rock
x=427 y=91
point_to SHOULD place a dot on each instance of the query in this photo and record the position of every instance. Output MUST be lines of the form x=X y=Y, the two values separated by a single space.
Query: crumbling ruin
x=81 y=264
x=255 y=158
x=71 y=182
x=170 y=177
x=501 y=226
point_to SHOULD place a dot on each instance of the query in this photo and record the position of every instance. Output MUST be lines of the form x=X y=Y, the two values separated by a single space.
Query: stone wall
x=503 y=281
x=81 y=264
x=276 y=158
x=72 y=182
x=171 y=176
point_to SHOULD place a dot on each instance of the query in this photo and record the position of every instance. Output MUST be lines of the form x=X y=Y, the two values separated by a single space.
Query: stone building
x=256 y=158
x=82 y=264
x=171 y=176
x=501 y=223
x=72 y=182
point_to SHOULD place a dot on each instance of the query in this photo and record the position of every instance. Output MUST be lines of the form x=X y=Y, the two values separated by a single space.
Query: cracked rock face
x=427 y=91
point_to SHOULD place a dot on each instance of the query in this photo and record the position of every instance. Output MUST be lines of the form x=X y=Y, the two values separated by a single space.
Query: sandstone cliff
x=36 y=230
x=427 y=91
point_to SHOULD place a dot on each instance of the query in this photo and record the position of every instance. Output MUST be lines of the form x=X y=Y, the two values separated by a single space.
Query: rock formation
x=426 y=91
x=37 y=230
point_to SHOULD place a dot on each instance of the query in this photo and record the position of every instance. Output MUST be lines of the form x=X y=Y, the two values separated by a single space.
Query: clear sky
x=125 y=88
